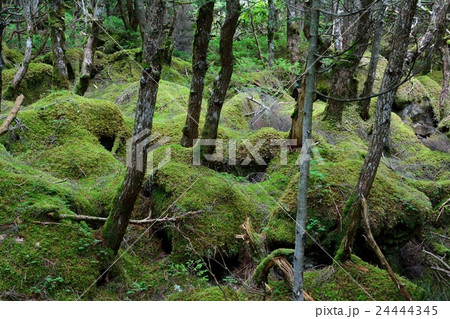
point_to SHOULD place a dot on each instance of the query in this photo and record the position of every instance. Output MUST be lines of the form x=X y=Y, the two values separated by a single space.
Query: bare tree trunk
x=255 y=36
x=391 y=79
x=94 y=12
x=57 y=23
x=337 y=26
x=169 y=46
x=222 y=82
x=293 y=30
x=123 y=203
x=445 y=80
x=310 y=83
x=199 y=69
x=371 y=73
x=271 y=31
x=29 y=10
x=343 y=82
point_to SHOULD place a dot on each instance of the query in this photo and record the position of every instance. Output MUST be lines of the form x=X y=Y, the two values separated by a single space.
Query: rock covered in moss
x=12 y=57
x=36 y=83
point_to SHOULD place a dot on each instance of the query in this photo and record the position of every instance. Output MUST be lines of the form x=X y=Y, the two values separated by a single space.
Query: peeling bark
x=199 y=69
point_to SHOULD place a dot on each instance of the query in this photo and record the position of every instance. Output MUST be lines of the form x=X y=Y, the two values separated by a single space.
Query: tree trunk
x=310 y=83
x=57 y=23
x=271 y=31
x=123 y=203
x=337 y=26
x=123 y=14
x=375 y=56
x=169 y=45
x=94 y=22
x=29 y=8
x=293 y=30
x=199 y=68
x=2 y=27
x=255 y=36
x=391 y=79
x=445 y=80
x=343 y=76
x=222 y=82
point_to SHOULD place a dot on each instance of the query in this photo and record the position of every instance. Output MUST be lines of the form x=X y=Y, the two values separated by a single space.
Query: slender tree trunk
x=445 y=80
x=310 y=80
x=29 y=8
x=375 y=56
x=271 y=31
x=199 y=68
x=123 y=15
x=343 y=75
x=293 y=30
x=95 y=11
x=255 y=36
x=337 y=27
x=123 y=203
x=391 y=79
x=57 y=23
x=222 y=82
x=2 y=27
x=169 y=46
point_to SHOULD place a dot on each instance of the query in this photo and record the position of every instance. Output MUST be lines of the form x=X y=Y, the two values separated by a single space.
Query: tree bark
x=222 y=82
x=29 y=10
x=2 y=27
x=392 y=77
x=12 y=115
x=199 y=69
x=123 y=203
x=271 y=31
x=337 y=27
x=364 y=105
x=445 y=51
x=169 y=45
x=293 y=30
x=310 y=83
x=57 y=23
x=343 y=75
x=95 y=11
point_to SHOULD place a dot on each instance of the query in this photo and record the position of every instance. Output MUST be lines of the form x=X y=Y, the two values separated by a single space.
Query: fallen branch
x=442 y=208
x=371 y=240
x=132 y=221
x=12 y=115
x=440 y=259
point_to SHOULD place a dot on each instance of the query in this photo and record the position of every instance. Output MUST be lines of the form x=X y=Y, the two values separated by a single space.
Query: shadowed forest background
x=361 y=85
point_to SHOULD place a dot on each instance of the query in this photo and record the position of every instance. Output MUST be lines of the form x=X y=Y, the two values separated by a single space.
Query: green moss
x=434 y=93
x=12 y=57
x=206 y=294
x=36 y=83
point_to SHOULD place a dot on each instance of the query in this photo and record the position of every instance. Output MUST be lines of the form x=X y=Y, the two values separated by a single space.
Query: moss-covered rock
x=12 y=57
x=36 y=83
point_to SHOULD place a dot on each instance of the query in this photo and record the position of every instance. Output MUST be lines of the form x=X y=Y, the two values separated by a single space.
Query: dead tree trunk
x=222 y=82
x=123 y=202
x=343 y=76
x=94 y=13
x=271 y=31
x=445 y=51
x=199 y=68
x=293 y=30
x=57 y=23
x=392 y=77
x=310 y=83
x=30 y=8
x=364 y=105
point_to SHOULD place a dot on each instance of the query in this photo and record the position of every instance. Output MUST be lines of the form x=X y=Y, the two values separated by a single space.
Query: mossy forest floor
x=66 y=155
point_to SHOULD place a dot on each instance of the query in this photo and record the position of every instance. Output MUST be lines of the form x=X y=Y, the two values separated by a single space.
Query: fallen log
x=12 y=115
x=132 y=221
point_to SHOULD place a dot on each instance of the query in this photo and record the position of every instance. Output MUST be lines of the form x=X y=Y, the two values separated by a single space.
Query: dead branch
x=440 y=259
x=442 y=208
x=132 y=221
x=371 y=240
x=12 y=115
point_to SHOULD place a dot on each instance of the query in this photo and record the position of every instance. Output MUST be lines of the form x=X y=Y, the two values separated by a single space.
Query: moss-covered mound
x=395 y=217
x=11 y=57
x=37 y=82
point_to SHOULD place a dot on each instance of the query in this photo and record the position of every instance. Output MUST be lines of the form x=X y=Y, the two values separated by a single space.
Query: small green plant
x=51 y=283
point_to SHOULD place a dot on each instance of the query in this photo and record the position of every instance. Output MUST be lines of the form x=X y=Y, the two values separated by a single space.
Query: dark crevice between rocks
x=107 y=142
